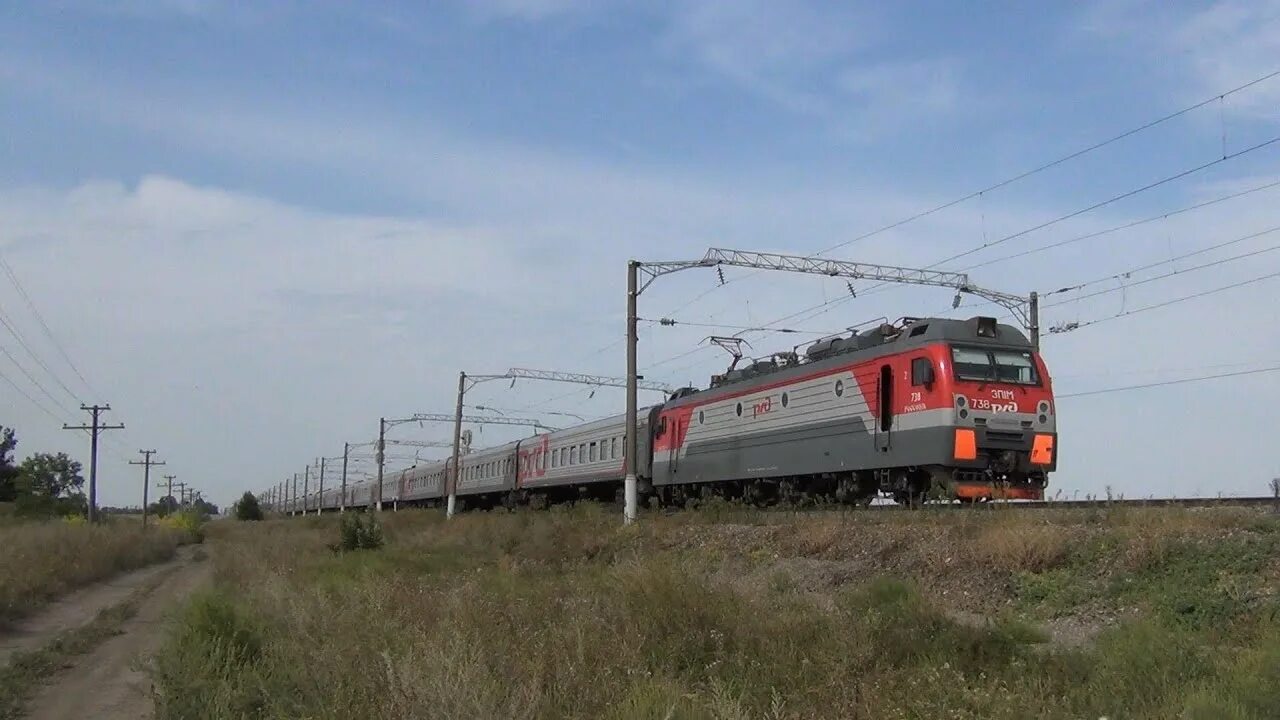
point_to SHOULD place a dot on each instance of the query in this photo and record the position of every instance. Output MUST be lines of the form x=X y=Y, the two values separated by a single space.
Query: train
x=916 y=410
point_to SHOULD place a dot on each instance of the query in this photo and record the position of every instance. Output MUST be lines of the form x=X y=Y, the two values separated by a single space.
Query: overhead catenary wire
x=1059 y=161
x=1043 y=248
x=1111 y=200
x=1071 y=327
x=1018 y=177
x=1125 y=226
x=1144 y=281
x=1163 y=383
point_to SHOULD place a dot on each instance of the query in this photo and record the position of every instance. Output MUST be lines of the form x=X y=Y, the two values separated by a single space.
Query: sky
x=255 y=228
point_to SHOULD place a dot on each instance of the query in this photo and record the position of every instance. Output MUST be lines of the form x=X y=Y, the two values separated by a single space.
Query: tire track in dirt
x=110 y=682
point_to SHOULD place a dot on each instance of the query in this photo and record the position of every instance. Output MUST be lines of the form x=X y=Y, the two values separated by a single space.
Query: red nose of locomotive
x=1005 y=428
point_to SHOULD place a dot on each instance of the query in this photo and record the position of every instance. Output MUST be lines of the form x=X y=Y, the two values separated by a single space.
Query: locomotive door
x=884 y=416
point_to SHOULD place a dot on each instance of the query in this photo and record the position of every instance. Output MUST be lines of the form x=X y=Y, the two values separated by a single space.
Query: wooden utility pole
x=306 y=488
x=94 y=429
x=169 y=488
x=147 y=463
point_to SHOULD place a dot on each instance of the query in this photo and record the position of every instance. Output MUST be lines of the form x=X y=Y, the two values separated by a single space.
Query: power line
x=8 y=270
x=13 y=330
x=1070 y=327
x=1164 y=276
x=57 y=403
x=1054 y=163
x=1112 y=199
x=1180 y=381
x=1124 y=274
x=1016 y=178
x=1126 y=226
x=30 y=399
x=1153 y=371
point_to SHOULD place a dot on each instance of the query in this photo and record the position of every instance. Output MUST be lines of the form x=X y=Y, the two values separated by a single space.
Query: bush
x=247 y=508
x=357 y=534
x=187 y=521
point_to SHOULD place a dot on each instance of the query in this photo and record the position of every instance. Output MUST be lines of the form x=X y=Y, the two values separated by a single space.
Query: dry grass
x=42 y=560
x=732 y=614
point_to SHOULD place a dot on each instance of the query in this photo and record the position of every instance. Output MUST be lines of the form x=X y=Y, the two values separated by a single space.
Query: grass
x=43 y=560
x=737 y=614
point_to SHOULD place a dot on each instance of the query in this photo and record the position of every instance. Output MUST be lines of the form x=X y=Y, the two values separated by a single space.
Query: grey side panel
x=832 y=448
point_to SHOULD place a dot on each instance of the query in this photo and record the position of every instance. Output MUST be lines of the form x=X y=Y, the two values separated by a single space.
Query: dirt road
x=106 y=684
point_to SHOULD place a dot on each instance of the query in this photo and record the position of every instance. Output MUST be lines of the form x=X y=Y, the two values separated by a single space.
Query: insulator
x=849 y=284
x=720 y=272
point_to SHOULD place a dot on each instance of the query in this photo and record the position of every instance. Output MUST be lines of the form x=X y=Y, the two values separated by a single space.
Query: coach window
x=593 y=452
x=613 y=449
x=573 y=455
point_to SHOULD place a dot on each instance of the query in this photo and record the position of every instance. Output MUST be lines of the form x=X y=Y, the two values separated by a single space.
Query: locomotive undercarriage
x=910 y=486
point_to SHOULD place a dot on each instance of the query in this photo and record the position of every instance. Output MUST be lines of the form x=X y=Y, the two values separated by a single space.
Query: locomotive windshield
x=1002 y=366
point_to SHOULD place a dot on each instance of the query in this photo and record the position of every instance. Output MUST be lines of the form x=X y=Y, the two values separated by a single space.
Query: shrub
x=188 y=522
x=247 y=508
x=355 y=533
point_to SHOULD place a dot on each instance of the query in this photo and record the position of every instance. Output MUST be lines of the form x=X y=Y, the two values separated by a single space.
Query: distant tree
x=49 y=484
x=8 y=471
x=163 y=506
x=247 y=507
x=204 y=507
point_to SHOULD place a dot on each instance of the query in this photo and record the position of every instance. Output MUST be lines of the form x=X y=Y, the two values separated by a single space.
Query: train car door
x=884 y=419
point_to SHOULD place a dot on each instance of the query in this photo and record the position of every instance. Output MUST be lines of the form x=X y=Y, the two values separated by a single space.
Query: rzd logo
x=762 y=407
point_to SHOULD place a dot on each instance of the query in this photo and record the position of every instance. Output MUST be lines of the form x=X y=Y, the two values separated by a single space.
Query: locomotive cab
x=1003 y=430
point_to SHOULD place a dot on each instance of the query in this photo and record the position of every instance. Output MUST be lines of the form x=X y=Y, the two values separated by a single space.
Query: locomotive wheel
x=909 y=499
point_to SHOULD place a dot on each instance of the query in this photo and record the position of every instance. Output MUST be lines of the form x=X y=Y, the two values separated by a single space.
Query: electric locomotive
x=963 y=408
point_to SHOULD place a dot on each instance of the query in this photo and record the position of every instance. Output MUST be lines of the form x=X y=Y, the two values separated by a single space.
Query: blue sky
x=257 y=227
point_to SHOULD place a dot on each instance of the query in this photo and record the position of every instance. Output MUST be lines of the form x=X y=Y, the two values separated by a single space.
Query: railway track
x=1255 y=501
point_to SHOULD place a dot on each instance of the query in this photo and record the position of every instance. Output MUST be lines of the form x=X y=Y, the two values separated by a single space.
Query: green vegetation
x=42 y=560
x=1161 y=613
x=43 y=485
x=247 y=508
x=358 y=533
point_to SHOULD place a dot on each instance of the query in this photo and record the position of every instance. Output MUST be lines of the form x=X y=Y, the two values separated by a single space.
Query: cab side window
x=921 y=371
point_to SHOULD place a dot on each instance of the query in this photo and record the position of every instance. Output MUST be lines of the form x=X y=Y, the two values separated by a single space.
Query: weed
x=568 y=615
x=42 y=560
